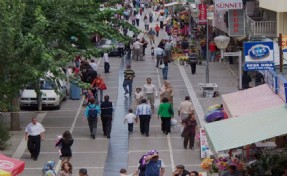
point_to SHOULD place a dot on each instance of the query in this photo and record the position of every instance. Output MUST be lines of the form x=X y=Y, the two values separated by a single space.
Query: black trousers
x=107 y=67
x=138 y=22
x=107 y=124
x=131 y=127
x=144 y=124
x=188 y=138
x=165 y=124
x=121 y=52
x=193 y=67
x=34 y=145
x=161 y=24
x=93 y=123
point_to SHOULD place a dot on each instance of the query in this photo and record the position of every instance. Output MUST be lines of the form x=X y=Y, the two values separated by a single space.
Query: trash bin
x=208 y=92
x=75 y=92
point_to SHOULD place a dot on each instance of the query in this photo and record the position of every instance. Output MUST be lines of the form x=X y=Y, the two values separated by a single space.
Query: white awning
x=251 y=100
x=241 y=131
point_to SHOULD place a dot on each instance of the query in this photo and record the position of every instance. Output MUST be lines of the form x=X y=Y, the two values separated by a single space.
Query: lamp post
x=222 y=42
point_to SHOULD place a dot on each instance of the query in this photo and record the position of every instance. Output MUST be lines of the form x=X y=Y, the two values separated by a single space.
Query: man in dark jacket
x=180 y=171
x=107 y=116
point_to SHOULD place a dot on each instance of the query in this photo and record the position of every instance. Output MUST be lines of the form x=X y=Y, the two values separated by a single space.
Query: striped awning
x=248 y=129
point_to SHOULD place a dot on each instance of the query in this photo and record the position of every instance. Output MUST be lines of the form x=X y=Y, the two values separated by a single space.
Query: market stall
x=10 y=166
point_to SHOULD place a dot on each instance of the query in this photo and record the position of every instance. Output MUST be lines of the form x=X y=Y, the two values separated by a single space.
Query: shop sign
x=284 y=43
x=282 y=88
x=258 y=56
x=202 y=17
x=236 y=23
x=228 y=4
x=204 y=147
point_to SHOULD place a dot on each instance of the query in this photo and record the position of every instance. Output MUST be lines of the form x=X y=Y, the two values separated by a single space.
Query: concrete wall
x=282 y=23
x=274 y=5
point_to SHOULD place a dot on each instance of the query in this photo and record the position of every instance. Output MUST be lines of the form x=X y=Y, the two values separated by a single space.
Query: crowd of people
x=155 y=20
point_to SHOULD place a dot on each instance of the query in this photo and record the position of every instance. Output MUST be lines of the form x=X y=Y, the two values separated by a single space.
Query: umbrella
x=214 y=116
x=10 y=166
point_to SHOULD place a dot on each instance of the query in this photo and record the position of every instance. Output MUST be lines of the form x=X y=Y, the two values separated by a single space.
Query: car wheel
x=58 y=107
x=65 y=98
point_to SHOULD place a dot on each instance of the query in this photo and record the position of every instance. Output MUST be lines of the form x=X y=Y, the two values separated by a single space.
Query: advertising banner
x=258 y=56
x=236 y=23
x=202 y=17
x=228 y=4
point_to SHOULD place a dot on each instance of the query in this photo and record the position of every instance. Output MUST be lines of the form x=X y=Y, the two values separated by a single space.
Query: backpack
x=48 y=168
x=93 y=112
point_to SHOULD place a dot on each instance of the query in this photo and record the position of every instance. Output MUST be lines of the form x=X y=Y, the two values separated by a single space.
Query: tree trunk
x=39 y=95
x=15 y=120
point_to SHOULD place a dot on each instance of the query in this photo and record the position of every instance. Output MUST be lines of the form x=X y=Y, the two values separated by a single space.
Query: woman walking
x=167 y=91
x=65 y=143
x=66 y=169
x=189 y=131
x=165 y=112
x=99 y=85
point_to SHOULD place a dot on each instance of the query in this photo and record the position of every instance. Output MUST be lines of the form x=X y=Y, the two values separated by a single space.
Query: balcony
x=257 y=27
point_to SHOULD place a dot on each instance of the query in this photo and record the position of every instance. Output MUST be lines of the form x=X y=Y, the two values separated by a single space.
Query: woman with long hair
x=65 y=144
x=66 y=169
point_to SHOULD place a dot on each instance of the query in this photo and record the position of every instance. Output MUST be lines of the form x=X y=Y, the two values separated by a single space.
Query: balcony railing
x=256 y=27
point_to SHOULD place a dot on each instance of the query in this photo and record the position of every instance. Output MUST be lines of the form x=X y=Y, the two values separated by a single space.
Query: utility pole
x=280 y=53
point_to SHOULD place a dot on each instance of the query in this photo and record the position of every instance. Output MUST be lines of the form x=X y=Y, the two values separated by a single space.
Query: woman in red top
x=98 y=85
x=157 y=28
x=212 y=49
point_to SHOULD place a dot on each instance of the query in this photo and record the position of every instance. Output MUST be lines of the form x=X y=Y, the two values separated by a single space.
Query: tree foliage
x=35 y=37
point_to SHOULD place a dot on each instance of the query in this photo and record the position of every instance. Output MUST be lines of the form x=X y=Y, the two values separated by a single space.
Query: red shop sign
x=202 y=17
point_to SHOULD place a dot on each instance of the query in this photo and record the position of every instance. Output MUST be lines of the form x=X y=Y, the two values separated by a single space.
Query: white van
x=49 y=96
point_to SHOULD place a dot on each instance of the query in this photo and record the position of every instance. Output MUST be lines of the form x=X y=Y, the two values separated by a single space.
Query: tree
x=36 y=38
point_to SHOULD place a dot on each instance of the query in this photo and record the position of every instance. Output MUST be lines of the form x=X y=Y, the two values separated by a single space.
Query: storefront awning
x=237 y=132
x=251 y=100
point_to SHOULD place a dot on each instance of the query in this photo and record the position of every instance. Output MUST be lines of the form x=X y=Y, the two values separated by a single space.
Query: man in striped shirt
x=143 y=112
x=129 y=75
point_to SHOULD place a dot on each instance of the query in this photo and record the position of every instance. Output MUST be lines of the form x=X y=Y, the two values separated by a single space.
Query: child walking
x=130 y=118
x=138 y=95
x=152 y=52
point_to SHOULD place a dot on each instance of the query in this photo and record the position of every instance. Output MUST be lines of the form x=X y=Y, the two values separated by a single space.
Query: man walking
x=91 y=114
x=167 y=49
x=185 y=108
x=159 y=52
x=151 y=34
x=129 y=75
x=34 y=133
x=143 y=112
x=154 y=165
x=150 y=92
x=192 y=61
x=107 y=116
x=137 y=45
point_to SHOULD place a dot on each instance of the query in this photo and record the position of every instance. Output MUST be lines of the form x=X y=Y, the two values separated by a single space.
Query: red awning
x=10 y=165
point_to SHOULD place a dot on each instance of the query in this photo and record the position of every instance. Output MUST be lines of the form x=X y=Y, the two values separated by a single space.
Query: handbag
x=162 y=66
x=103 y=87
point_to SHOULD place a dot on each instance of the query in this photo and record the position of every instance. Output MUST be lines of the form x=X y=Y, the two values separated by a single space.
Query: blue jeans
x=164 y=72
x=212 y=56
x=128 y=83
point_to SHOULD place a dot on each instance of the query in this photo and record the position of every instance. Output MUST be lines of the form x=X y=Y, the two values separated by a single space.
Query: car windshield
x=108 y=42
x=44 y=85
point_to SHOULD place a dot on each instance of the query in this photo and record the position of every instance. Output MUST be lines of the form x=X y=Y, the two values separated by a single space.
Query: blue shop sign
x=258 y=55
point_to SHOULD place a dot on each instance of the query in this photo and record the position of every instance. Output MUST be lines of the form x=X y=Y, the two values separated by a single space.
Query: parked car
x=53 y=93
x=109 y=44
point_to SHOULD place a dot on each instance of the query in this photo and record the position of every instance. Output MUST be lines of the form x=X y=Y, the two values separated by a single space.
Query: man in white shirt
x=143 y=112
x=137 y=47
x=106 y=63
x=185 y=108
x=159 y=52
x=93 y=64
x=34 y=133
x=150 y=92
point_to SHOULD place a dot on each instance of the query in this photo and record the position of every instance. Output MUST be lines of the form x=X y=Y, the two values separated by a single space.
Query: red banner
x=202 y=17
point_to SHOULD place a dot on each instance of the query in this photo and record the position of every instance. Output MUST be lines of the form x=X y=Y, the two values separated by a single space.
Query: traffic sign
x=231 y=54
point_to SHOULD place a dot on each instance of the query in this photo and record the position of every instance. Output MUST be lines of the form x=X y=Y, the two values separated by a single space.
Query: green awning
x=244 y=130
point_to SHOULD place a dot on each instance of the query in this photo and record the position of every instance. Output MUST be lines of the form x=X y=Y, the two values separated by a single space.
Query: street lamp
x=221 y=42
